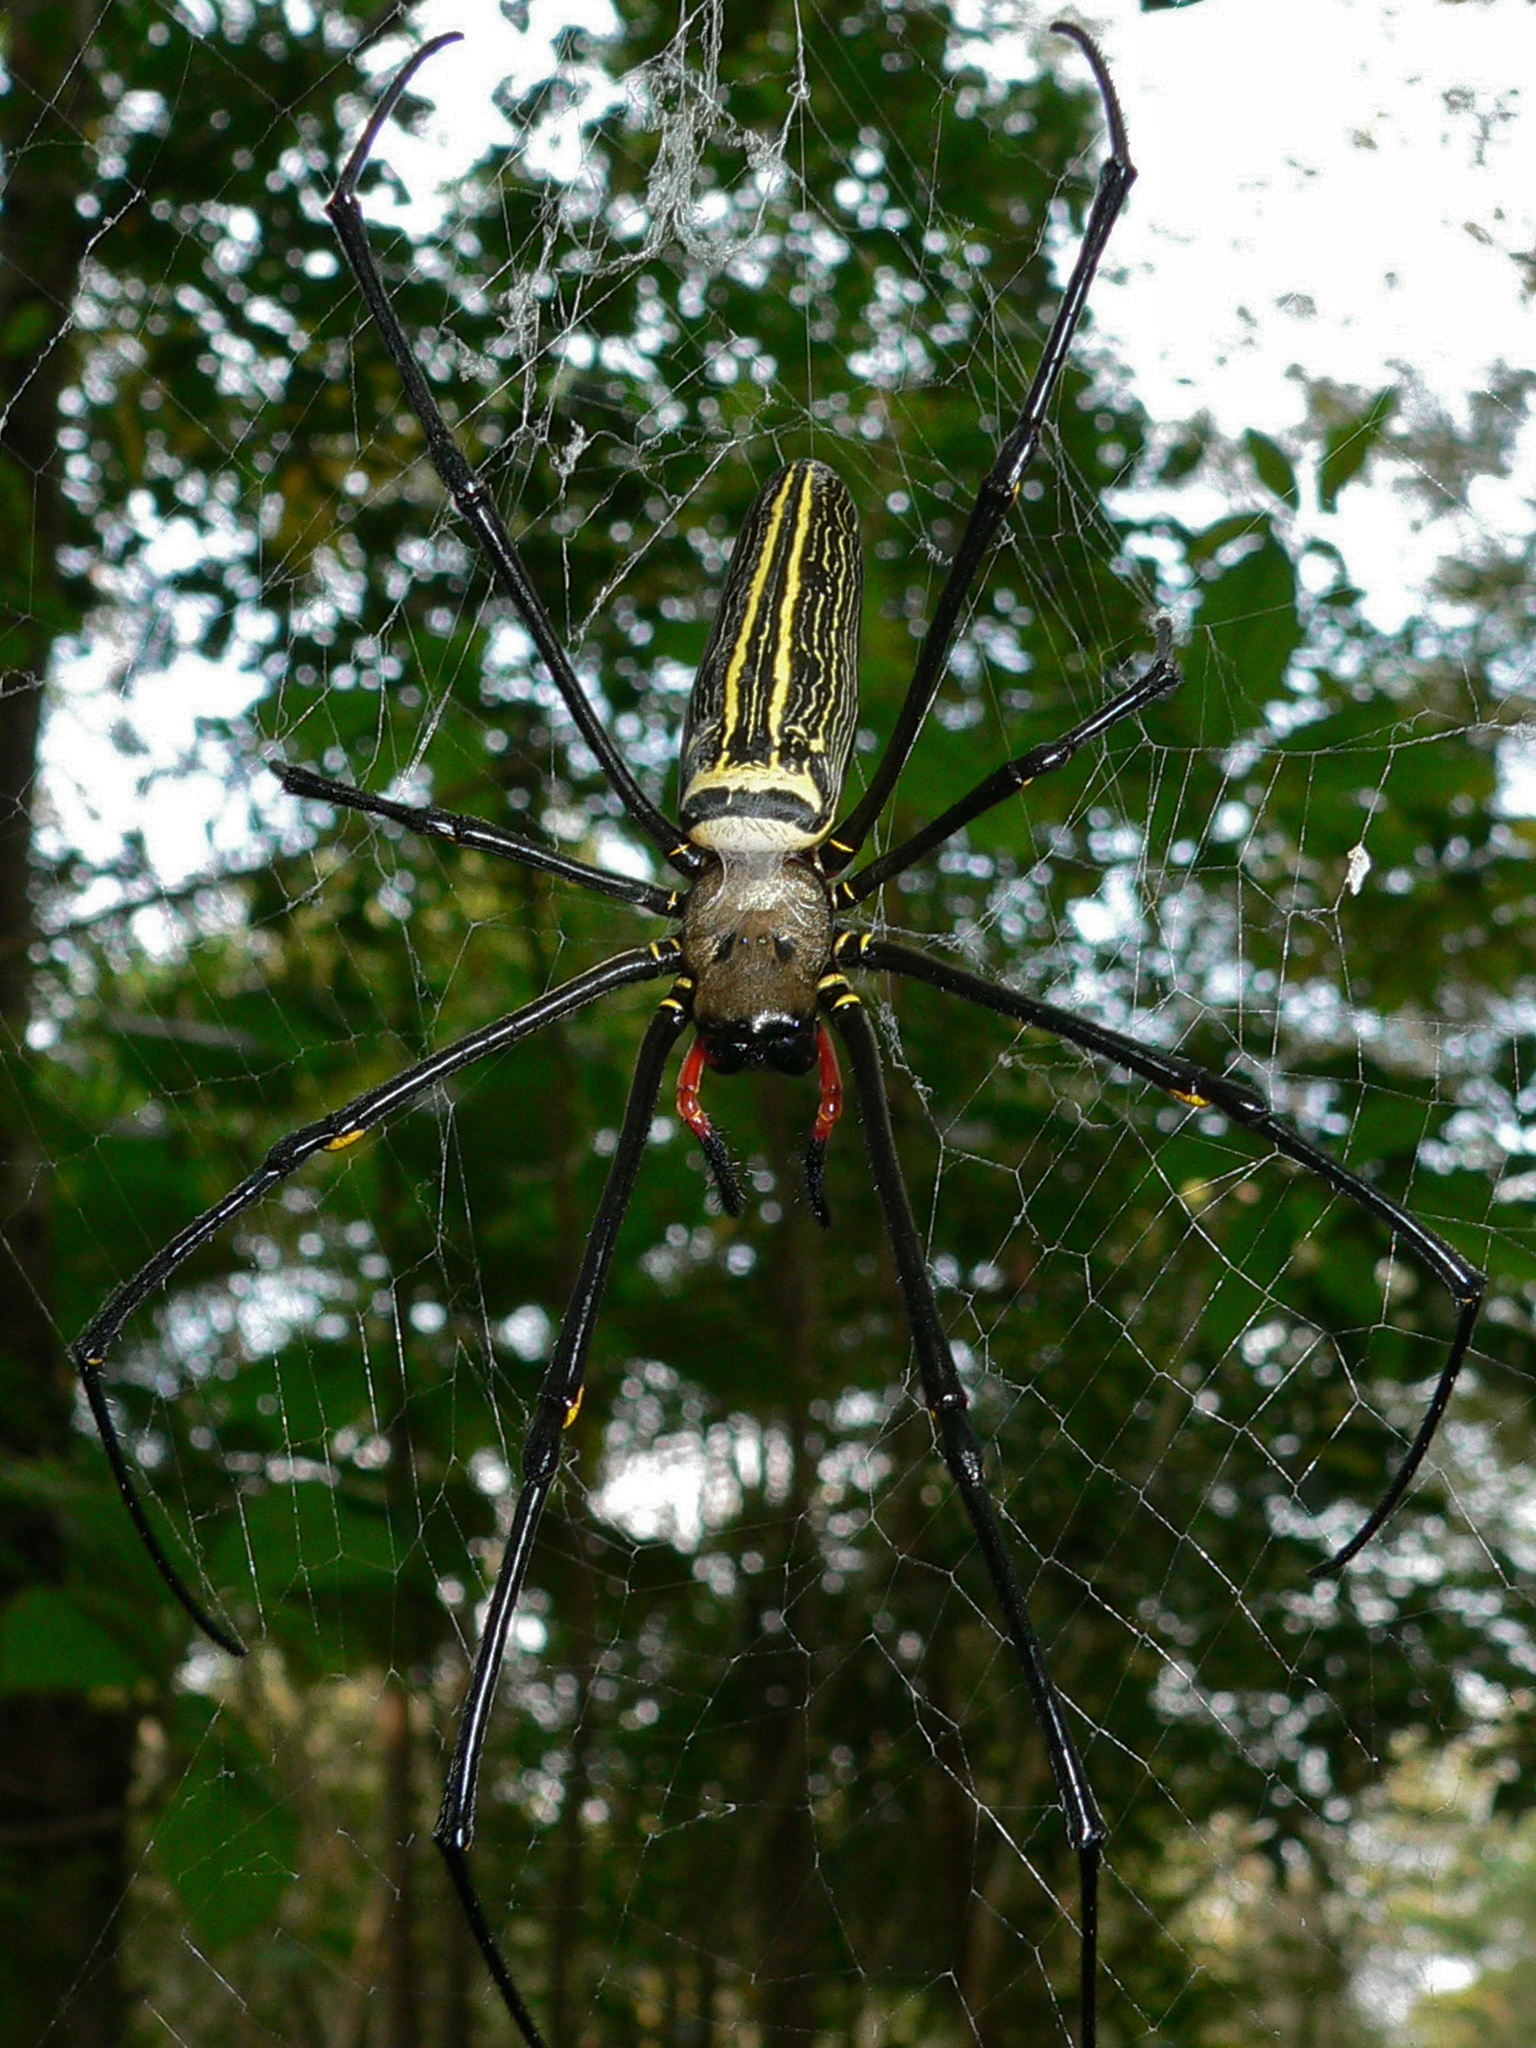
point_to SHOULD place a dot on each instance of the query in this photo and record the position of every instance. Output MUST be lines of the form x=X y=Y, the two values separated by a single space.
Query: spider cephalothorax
x=757 y=939
x=760 y=971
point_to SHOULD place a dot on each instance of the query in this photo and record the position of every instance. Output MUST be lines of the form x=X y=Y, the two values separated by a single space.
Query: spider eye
x=785 y=948
x=724 y=947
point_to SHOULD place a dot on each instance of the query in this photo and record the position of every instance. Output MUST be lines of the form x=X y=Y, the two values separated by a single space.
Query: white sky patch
x=1393 y=1981
x=135 y=757
x=462 y=123
x=658 y=1495
x=1334 y=184
x=1328 y=188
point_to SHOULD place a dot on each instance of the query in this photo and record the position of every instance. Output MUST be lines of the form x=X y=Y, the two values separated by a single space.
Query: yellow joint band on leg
x=1194 y=1101
x=828 y=982
x=574 y=1410
x=345 y=1138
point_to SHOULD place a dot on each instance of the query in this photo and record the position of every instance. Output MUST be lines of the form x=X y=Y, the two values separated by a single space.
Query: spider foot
x=722 y=1171
x=816 y=1181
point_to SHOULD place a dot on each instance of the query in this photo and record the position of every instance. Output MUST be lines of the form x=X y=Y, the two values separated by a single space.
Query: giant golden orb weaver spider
x=761 y=968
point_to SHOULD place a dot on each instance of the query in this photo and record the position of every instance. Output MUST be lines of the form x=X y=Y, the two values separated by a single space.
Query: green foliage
x=49 y=1644
x=1248 y=628
x=226 y=1839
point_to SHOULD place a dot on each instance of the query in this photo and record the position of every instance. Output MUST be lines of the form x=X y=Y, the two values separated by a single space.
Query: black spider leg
x=483 y=837
x=1243 y=1104
x=470 y=495
x=558 y=1402
x=331 y=1133
x=1159 y=680
x=945 y=1400
x=1001 y=488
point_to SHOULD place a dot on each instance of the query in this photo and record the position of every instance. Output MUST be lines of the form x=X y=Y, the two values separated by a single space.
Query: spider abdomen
x=771 y=719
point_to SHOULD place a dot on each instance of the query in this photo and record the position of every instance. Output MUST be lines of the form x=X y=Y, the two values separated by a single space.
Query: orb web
x=761 y=1760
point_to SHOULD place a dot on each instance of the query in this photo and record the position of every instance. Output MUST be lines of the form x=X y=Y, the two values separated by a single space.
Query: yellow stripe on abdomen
x=771 y=718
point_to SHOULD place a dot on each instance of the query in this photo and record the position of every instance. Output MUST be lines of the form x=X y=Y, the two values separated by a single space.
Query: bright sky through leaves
x=1340 y=188
x=1337 y=188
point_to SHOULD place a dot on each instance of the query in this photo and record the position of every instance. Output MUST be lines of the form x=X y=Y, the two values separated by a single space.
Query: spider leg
x=329 y=1134
x=1243 y=1104
x=558 y=1402
x=997 y=495
x=470 y=495
x=945 y=1400
x=476 y=833
x=1157 y=681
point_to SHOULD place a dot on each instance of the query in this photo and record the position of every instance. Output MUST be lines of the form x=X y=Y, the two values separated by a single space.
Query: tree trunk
x=402 y=2027
x=565 y=1523
x=783 y=1884
x=64 y=1782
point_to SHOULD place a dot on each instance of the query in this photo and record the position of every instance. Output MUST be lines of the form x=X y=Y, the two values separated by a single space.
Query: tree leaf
x=1274 y=466
x=1349 y=444
x=227 y=1844
x=48 y=1644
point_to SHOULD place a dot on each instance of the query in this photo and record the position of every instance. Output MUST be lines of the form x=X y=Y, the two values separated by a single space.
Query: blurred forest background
x=761 y=1770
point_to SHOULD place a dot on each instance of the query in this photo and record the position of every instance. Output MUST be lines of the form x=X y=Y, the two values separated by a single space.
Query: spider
x=759 y=967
